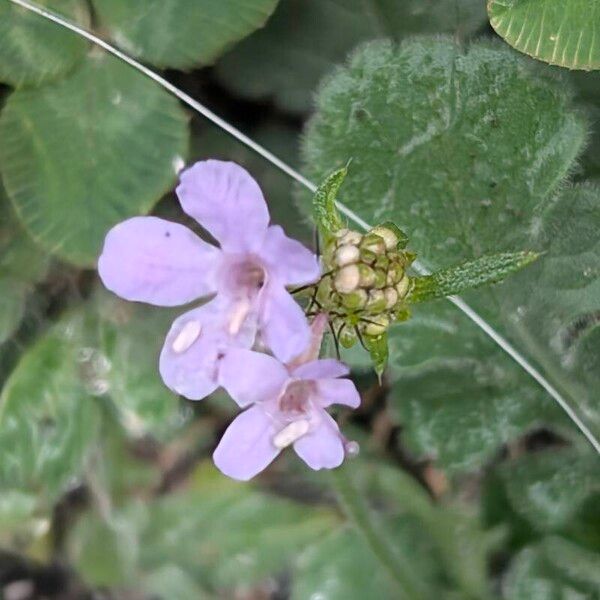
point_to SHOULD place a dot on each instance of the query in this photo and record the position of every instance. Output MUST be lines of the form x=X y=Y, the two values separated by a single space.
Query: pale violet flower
x=148 y=259
x=285 y=406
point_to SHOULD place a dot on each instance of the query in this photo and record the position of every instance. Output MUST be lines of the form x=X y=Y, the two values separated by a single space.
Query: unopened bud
x=402 y=287
x=376 y=301
x=346 y=255
x=380 y=279
x=391 y=297
x=367 y=256
x=374 y=243
x=388 y=236
x=347 y=279
x=382 y=262
x=354 y=300
x=395 y=274
x=377 y=326
x=349 y=237
x=366 y=275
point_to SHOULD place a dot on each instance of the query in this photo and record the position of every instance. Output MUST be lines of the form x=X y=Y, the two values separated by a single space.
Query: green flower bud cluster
x=366 y=278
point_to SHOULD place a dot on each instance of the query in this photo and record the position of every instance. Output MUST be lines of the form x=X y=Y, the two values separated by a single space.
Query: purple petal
x=283 y=325
x=251 y=377
x=338 y=391
x=227 y=202
x=327 y=368
x=197 y=340
x=322 y=448
x=288 y=259
x=246 y=447
x=147 y=259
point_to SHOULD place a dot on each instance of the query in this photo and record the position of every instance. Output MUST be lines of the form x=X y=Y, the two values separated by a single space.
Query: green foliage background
x=471 y=482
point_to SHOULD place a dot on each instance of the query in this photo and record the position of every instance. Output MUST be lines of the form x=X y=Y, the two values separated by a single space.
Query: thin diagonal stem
x=309 y=185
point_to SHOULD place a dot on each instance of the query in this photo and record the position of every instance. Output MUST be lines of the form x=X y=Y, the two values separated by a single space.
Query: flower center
x=295 y=400
x=243 y=279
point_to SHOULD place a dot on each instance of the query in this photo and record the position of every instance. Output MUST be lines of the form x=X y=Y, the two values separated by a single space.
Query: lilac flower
x=286 y=407
x=152 y=260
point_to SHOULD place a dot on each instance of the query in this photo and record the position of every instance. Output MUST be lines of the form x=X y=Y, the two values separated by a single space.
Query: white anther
x=187 y=336
x=347 y=279
x=346 y=255
x=290 y=433
x=238 y=316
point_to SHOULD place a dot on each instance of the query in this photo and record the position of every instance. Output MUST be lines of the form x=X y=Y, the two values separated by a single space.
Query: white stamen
x=187 y=336
x=290 y=433
x=238 y=316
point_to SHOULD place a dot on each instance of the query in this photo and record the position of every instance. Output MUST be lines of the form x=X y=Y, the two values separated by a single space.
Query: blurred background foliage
x=471 y=482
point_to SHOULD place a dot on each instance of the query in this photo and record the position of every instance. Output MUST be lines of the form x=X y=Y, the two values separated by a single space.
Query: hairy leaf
x=431 y=130
x=297 y=47
x=556 y=568
x=179 y=33
x=34 y=50
x=472 y=274
x=552 y=309
x=550 y=489
x=85 y=153
x=325 y=213
x=560 y=33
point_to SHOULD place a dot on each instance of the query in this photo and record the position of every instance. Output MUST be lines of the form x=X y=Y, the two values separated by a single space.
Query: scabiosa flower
x=148 y=259
x=285 y=407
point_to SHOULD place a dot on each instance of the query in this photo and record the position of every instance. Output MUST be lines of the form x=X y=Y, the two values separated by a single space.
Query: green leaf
x=128 y=338
x=300 y=36
x=341 y=567
x=460 y=411
x=471 y=274
x=555 y=568
x=550 y=489
x=552 y=309
x=458 y=147
x=170 y=581
x=217 y=531
x=378 y=351
x=179 y=33
x=83 y=154
x=560 y=33
x=34 y=50
x=48 y=415
x=21 y=266
x=325 y=213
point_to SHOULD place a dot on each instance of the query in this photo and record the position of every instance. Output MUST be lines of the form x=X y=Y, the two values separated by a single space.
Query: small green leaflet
x=475 y=273
x=326 y=215
x=378 y=350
